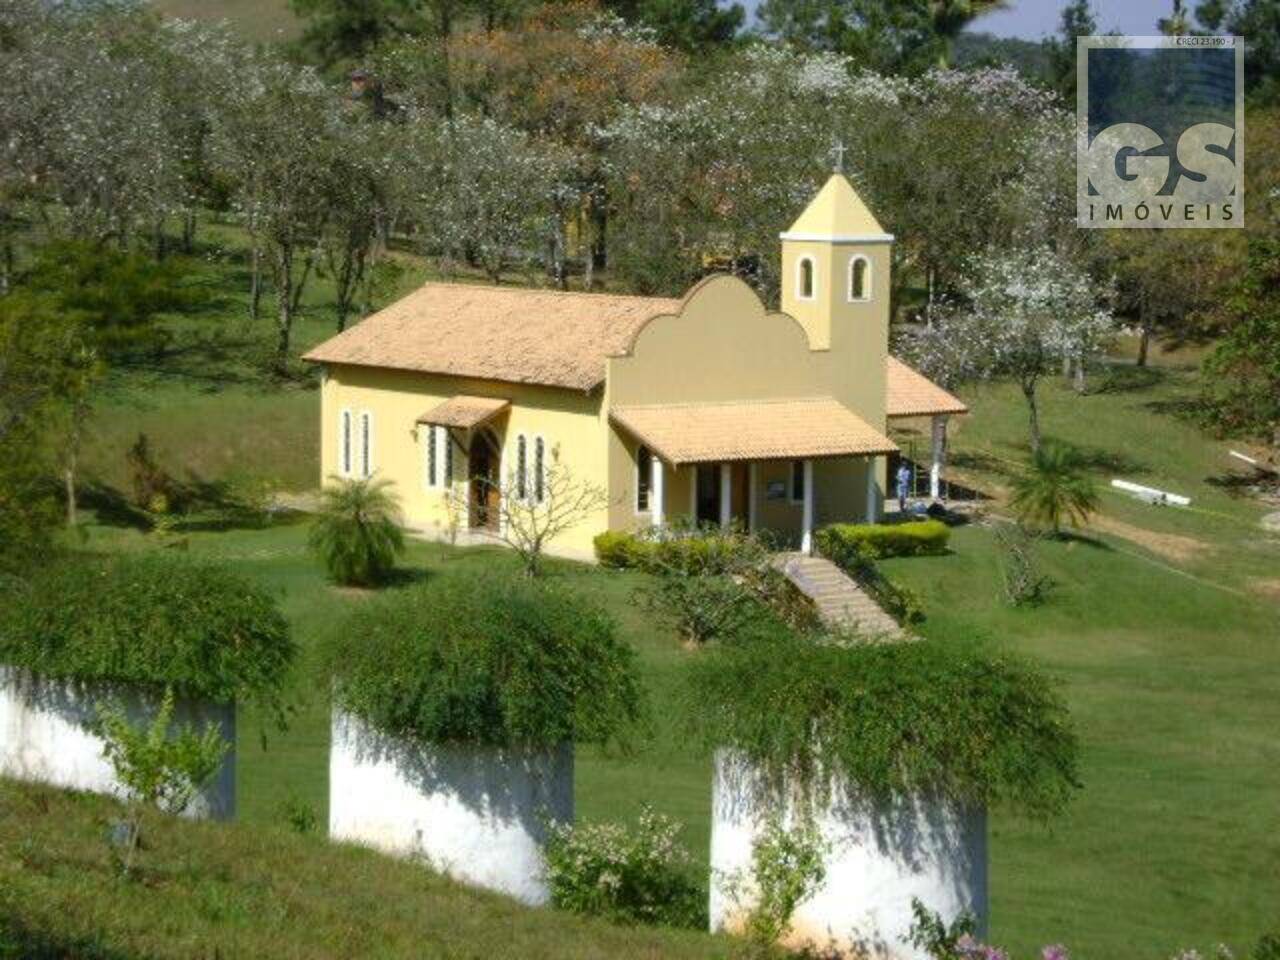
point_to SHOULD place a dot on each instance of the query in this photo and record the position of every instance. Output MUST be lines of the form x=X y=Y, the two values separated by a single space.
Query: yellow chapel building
x=709 y=407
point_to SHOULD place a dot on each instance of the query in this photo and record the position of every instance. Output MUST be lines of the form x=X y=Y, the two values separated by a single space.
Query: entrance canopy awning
x=752 y=430
x=465 y=412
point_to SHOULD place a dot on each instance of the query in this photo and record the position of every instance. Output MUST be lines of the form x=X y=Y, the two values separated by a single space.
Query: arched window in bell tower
x=804 y=278
x=859 y=279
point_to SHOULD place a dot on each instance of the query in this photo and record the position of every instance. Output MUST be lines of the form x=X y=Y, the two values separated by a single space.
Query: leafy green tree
x=1167 y=281
x=901 y=37
x=158 y=767
x=1077 y=21
x=1258 y=21
x=949 y=18
x=357 y=531
x=885 y=37
x=1055 y=488
x=691 y=25
x=107 y=303
x=1241 y=387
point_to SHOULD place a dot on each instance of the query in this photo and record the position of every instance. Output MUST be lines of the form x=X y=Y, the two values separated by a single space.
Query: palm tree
x=948 y=18
x=357 y=531
x=1054 y=488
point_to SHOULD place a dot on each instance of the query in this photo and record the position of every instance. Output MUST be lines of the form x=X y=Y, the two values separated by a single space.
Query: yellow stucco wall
x=571 y=423
x=723 y=346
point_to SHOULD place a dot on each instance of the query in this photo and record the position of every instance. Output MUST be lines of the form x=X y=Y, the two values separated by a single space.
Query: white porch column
x=656 y=491
x=872 y=505
x=806 y=535
x=726 y=492
x=751 y=497
x=939 y=457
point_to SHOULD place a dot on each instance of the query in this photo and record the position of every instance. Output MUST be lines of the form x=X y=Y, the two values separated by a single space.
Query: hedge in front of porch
x=918 y=538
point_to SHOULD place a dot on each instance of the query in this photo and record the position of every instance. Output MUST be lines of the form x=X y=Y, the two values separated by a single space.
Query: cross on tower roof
x=838 y=152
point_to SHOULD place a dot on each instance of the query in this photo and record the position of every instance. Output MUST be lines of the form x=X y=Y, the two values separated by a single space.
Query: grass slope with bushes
x=229 y=890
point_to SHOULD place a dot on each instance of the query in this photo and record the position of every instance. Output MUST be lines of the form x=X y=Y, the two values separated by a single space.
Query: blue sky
x=1033 y=19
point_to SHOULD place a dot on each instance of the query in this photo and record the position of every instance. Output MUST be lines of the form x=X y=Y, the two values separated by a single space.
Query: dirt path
x=1171 y=546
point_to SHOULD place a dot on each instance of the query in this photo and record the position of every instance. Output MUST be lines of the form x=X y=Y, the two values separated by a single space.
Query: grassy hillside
x=209 y=890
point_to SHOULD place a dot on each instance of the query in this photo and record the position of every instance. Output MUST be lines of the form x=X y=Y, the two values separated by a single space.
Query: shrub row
x=925 y=717
x=916 y=538
x=489 y=659
x=684 y=550
x=157 y=620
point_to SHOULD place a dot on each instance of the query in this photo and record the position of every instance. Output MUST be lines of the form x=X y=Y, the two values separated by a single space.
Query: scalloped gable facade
x=718 y=345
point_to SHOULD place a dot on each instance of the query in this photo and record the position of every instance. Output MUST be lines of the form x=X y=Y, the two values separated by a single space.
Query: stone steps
x=838 y=598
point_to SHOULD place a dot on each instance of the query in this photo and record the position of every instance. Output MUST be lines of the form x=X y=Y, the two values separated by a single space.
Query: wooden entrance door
x=485 y=476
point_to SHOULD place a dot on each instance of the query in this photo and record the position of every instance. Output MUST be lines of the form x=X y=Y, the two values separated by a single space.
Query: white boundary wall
x=44 y=735
x=476 y=814
x=878 y=860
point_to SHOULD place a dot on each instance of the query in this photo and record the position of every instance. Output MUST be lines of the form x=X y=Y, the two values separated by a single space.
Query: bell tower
x=835 y=282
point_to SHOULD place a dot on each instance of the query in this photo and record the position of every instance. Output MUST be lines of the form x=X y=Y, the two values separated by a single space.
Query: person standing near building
x=904 y=485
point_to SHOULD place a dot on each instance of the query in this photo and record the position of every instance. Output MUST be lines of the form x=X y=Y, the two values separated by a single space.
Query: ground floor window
x=366 y=444
x=539 y=470
x=644 y=476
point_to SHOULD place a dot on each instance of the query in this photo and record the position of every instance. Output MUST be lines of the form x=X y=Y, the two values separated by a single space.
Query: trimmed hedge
x=155 y=619
x=496 y=660
x=685 y=550
x=622 y=551
x=894 y=719
x=916 y=538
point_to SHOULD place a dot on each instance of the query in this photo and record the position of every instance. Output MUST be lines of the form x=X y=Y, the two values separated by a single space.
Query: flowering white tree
x=950 y=162
x=484 y=191
x=1026 y=312
x=275 y=142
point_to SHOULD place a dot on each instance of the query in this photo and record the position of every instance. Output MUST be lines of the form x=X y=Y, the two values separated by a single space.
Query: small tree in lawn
x=1055 y=488
x=1026 y=312
x=539 y=503
x=357 y=531
x=157 y=769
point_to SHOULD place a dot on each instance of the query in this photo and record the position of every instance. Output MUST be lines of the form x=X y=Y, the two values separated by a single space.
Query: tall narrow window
x=344 y=444
x=644 y=475
x=804 y=280
x=797 y=481
x=366 y=444
x=522 y=476
x=539 y=470
x=859 y=279
x=446 y=441
x=432 y=476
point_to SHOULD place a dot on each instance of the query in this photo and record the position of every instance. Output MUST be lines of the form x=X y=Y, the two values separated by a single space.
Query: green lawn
x=1160 y=628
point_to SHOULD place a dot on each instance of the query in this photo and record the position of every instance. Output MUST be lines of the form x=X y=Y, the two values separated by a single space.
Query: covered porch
x=913 y=401
x=780 y=466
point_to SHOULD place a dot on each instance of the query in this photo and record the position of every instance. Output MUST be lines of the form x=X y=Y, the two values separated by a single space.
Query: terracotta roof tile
x=910 y=393
x=545 y=337
x=752 y=430
x=465 y=412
